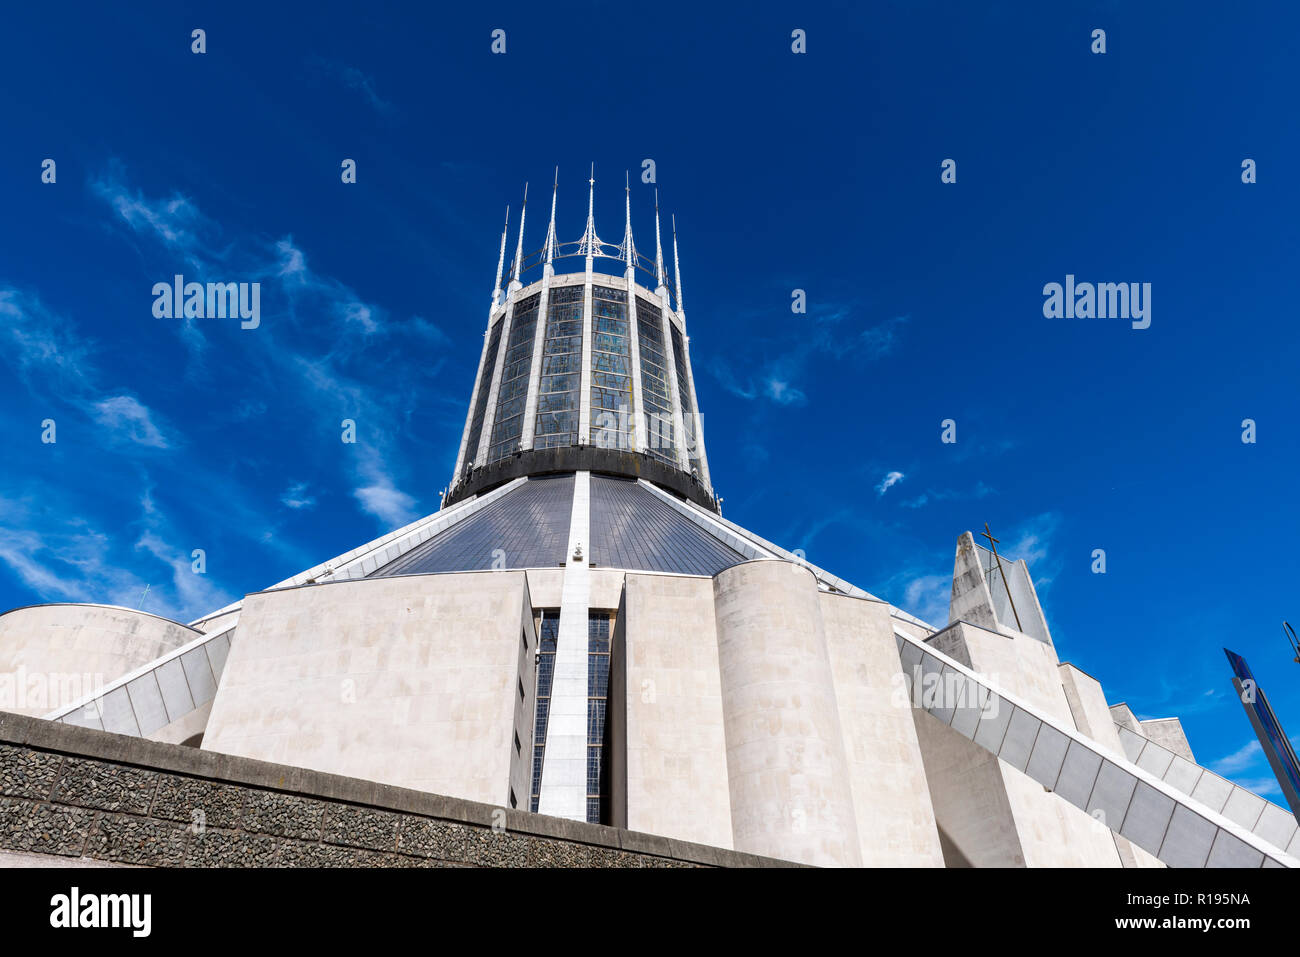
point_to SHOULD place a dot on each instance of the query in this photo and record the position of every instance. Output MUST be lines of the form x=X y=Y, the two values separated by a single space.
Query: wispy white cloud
x=1034 y=537
x=942 y=495
x=722 y=372
x=56 y=363
x=783 y=393
x=354 y=79
x=881 y=339
x=777 y=379
x=380 y=497
x=192 y=591
x=927 y=597
x=42 y=347
x=1173 y=697
x=361 y=314
x=248 y=409
x=174 y=221
x=72 y=559
x=330 y=362
x=1263 y=786
x=296 y=497
x=60 y=551
x=40 y=562
x=1245 y=756
x=889 y=481
x=128 y=417
x=803 y=538
x=421 y=328
x=292 y=262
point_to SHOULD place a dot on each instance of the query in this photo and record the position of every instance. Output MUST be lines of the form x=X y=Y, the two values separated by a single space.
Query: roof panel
x=528 y=527
x=632 y=528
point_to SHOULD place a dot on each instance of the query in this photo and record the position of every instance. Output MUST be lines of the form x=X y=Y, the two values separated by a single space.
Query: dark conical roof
x=528 y=527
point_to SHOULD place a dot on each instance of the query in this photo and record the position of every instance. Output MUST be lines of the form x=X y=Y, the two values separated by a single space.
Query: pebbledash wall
x=75 y=796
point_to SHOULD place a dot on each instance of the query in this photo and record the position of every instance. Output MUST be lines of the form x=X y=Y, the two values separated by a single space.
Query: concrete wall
x=786 y=764
x=52 y=655
x=546 y=585
x=1125 y=717
x=1093 y=718
x=972 y=809
x=1169 y=734
x=79 y=797
x=895 y=819
x=187 y=729
x=970 y=600
x=665 y=707
x=1019 y=823
x=411 y=681
x=1088 y=706
x=606 y=588
x=525 y=707
x=217 y=623
x=686 y=767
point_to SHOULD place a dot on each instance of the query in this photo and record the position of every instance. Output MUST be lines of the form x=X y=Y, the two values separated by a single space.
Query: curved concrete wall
x=53 y=655
x=786 y=766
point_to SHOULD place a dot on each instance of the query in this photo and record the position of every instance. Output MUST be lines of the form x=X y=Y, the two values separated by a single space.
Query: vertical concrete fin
x=564 y=760
x=970 y=599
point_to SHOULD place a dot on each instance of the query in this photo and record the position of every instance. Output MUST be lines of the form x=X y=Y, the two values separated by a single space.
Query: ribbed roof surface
x=529 y=524
x=631 y=528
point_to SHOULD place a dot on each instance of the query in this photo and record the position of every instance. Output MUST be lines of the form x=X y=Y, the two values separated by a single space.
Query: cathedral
x=578 y=634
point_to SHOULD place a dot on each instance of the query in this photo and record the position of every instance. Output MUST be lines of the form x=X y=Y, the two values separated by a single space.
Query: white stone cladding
x=412 y=681
x=786 y=765
x=564 y=761
x=54 y=655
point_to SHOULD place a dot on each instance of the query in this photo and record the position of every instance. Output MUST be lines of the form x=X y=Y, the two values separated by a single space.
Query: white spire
x=550 y=232
x=501 y=261
x=677 y=269
x=659 y=251
x=590 y=243
x=629 y=247
x=519 y=248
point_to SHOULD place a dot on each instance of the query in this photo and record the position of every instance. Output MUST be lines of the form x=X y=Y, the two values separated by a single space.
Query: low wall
x=85 y=795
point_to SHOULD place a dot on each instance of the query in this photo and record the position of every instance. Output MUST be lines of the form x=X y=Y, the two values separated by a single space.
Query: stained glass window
x=654 y=382
x=548 y=630
x=560 y=384
x=516 y=369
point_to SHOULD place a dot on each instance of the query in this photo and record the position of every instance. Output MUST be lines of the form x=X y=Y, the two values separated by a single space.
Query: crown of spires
x=590 y=245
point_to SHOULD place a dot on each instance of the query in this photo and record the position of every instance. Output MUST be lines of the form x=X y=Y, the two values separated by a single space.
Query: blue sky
x=818 y=172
